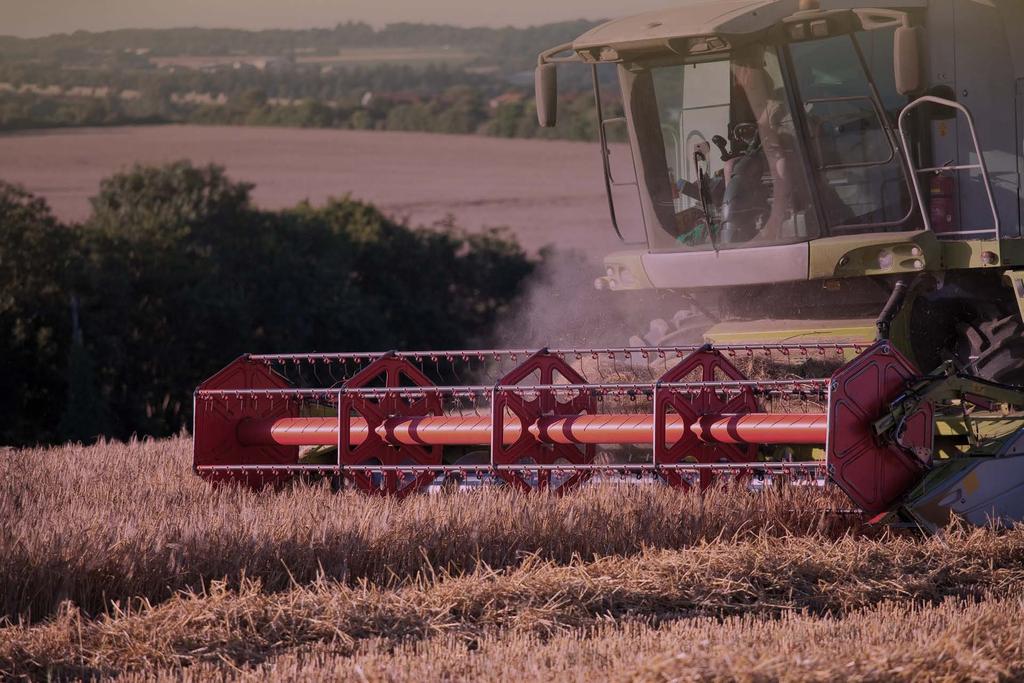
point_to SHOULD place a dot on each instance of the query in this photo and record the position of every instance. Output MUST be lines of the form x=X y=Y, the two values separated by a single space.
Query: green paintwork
x=793 y=331
x=984 y=426
x=850 y=256
x=1015 y=279
x=976 y=463
x=858 y=255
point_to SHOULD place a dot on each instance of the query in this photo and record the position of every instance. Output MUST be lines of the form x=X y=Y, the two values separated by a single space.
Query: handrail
x=980 y=166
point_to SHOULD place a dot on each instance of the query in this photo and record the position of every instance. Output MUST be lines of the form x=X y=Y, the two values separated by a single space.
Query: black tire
x=994 y=349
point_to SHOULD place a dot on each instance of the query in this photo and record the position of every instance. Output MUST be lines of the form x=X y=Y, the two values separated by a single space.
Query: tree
x=37 y=262
x=109 y=326
x=84 y=416
x=361 y=119
x=156 y=300
x=506 y=121
x=167 y=203
x=156 y=96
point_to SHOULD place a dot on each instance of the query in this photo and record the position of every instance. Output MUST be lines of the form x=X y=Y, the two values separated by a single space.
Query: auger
x=904 y=446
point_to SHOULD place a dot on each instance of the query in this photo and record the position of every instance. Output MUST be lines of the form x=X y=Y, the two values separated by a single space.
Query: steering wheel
x=744 y=138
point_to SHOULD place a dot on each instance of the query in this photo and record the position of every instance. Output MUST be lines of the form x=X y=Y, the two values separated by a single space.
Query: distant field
x=546 y=191
x=609 y=583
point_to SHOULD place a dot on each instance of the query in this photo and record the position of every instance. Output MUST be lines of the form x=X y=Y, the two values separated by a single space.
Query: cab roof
x=708 y=17
x=720 y=16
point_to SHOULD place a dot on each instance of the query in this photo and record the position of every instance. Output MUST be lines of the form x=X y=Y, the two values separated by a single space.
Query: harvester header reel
x=553 y=419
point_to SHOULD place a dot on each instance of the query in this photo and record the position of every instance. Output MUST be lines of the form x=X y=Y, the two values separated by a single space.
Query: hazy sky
x=41 y=17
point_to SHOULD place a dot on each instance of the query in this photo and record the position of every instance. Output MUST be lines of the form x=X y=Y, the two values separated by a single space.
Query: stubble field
x=117 y=562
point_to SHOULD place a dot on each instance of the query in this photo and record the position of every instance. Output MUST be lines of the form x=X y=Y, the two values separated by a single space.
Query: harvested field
x=954 y=641
x=547 y=192
x=162 y=529
x=613 y=582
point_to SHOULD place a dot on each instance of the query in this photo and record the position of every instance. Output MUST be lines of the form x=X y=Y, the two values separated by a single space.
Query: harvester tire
x=994 y=349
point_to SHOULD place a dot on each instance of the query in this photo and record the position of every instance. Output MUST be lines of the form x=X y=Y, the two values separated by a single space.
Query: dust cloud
x=560 y=307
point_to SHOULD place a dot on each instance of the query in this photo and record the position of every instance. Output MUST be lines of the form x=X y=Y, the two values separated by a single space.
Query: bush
x=175 y=273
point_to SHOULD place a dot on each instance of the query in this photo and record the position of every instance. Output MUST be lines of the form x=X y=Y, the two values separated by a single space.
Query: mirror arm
x=549 y=56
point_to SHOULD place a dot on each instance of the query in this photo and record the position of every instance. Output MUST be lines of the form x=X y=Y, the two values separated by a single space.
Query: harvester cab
x=793 y=161
x=818 y=159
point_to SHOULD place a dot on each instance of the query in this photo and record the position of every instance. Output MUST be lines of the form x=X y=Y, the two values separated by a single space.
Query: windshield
x=720 y=160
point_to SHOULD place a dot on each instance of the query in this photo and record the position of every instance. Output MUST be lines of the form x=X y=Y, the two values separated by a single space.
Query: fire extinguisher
x=942 y=202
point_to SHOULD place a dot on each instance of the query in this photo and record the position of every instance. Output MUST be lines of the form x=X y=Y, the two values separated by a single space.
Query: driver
x=751 y=207
x=754 y=90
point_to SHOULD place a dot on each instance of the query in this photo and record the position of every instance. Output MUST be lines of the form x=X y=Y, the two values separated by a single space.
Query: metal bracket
x=945 y=384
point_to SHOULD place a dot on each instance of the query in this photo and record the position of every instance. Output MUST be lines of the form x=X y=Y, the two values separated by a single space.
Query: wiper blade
x=704 y=191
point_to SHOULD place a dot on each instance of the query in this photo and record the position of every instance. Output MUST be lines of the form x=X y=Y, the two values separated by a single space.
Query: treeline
x=106 y=327
x=509 y=46
x=284 y=80
x=29 y=111
x=460 y=110
x=111 y=78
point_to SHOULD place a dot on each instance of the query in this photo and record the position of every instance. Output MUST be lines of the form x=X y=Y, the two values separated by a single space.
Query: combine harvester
x=816 y=160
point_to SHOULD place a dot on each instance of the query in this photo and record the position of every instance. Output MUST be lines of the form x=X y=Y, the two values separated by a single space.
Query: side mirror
x=906 y=52
x=545 y=81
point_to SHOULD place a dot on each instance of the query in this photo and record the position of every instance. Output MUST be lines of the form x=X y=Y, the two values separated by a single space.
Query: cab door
x=859 y=171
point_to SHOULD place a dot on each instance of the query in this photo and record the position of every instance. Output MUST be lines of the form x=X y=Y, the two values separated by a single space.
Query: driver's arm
x=689 y=188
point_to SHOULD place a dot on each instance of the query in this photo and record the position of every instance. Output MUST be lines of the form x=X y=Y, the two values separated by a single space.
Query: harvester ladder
x=981 y=167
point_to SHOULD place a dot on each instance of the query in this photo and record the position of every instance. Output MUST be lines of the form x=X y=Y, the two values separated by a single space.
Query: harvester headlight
x=885 y=259
x=918 y=264
x=611 y=281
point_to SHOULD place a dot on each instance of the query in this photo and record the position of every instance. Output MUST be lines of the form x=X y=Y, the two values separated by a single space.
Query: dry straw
x=954 y=641
x=636 y=582
x=764 y=577
x=119 y=521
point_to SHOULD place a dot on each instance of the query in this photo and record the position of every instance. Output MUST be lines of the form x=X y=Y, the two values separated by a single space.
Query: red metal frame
x=875 y=473
x=711 y=366
x=547 y=369
x=216 y=425
x=375 y=410
x=706 y=420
